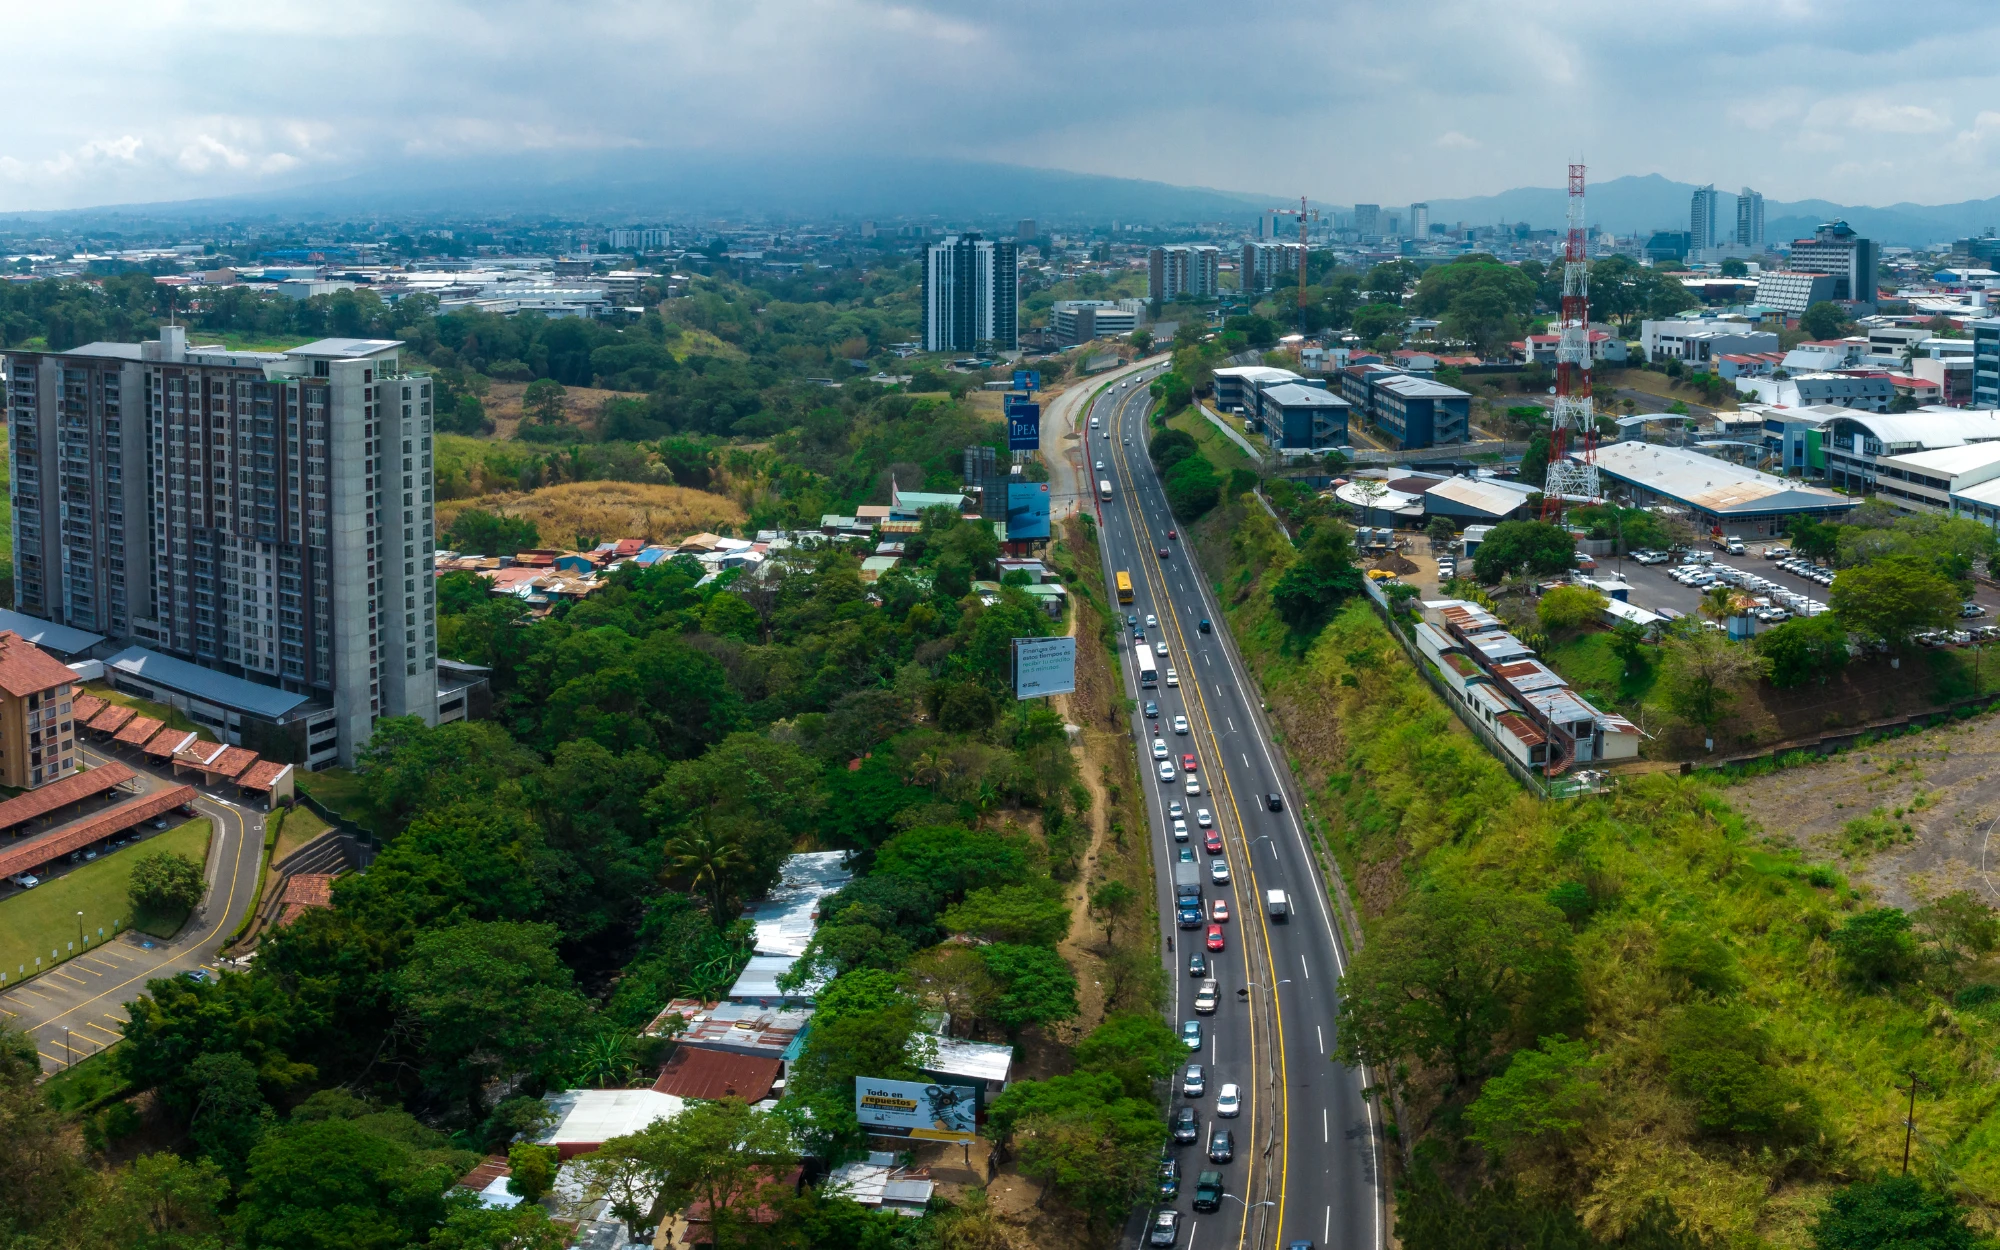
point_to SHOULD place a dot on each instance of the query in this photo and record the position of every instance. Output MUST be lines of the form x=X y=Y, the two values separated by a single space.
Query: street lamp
x=79 y=930
x=1252 y=1206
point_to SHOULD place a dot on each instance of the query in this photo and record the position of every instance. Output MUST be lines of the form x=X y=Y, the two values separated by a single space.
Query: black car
x=1276 y=802
x=1170 y=1178
x=1152 y=710
x=1221 y=1145
x=1198 y=964
x=1186 y=1127
x=1205 y=627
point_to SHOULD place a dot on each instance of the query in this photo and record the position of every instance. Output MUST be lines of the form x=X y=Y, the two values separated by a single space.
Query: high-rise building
x=263 y=514
x=638 y=239
x=1835 y=249
x=1190 y=269
x=1750 y=218
x=971 y=295
x=1025 y=229
x=1420 y=222
x=1368 y=220
x=1265 y=265
x=1267 y=225
x=1702 y=218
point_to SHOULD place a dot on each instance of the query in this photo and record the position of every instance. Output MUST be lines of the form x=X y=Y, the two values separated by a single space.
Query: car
x=1152 y=710
x=1175 y=809
x=1159 y=748
x=1173 y=678
x=1132 y=618
x=1217 y=942
x=1193 y=1084
x=1228 y=1101
x=1170 y=1177
x=1187 y=1126
x=1151 y=620
x=1221 y=1146
x=1212 y=842
x=1208 y=1191
x=1191 y=1034
x=1205 y=627
x=1218 y=871
x=1126 y=441
x=1100 y=466
x=26 y=880
x=1180 y=831
x=1187 y=855
x=1138 y=635
x=1167 y=770
x=1160 y=647
x=1189 y=763
x=197 y=975
x=1166 y=1228
x=1198 y=964
x=1218 y=909
x=1202 y=818
x=1163 y=553
x=1276 y=802
x=1193 y=788
x=1206 y=998
x=1971 y=609
x=1173 y=534
x=1180 y=724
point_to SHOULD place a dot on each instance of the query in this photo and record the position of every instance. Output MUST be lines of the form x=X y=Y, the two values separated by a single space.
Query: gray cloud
x=1344 y=101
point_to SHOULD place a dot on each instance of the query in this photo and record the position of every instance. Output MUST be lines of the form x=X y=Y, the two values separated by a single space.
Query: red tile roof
x=26 y=669
x=230 y=762
x=166 y=742
x=262 y=775
x=693 y=1072
x=34 y=854
x=76 y=786
x=140 y=731
x=85 y=706
x=304 y=892
x=112 y=718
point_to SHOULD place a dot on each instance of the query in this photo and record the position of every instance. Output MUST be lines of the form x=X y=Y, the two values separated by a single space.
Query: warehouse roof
x=1712 y=485
x=1950 y=461
x=1486 y=495
x=205 y=684
x=60 y=639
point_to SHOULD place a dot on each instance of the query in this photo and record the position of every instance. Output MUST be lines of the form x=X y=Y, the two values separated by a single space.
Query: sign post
x=1044 y=666
x=917 y=1109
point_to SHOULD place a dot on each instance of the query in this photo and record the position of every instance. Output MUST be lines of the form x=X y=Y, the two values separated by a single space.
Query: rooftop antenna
x=1572 y=409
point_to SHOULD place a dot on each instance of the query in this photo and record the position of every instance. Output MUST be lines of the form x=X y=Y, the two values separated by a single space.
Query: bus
x=1149 y=673
x=1104 y=488
x=1124 y=586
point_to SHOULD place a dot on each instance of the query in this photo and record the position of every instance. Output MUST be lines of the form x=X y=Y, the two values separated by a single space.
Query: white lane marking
x=1321 y=1035
x=1302 y=964
x=1325 y=1134
x=1232 y=723
x=1246 y=760
x=1325 y=1230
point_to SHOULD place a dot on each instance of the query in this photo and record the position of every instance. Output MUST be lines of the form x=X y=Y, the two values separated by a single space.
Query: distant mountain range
x=638 y=185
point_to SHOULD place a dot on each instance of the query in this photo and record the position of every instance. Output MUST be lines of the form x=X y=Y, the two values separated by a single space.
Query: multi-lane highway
x=1305 y=1166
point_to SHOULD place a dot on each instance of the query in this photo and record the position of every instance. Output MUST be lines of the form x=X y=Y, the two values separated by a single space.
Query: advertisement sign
x=1024 y=426
x=1044 y=666
x=1027 y=511
x=1027 y=380
x=917 y=1109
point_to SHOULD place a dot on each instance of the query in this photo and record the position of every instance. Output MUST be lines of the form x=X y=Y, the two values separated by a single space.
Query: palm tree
x=1718 y=603
x=709 y=859
x=606 y=1060
x=933 y=768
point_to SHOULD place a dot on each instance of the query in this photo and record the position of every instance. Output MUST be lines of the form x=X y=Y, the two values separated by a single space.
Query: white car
x=1151 y=620
x=1218 y=870
x=1160 y=648
x=1174 y=808
x=1173 y=678
x=1228 y=1102
x=1180 y=724
x=1193 y=786
x=1202 y=818
x=26 y=880
x=1180 y=831
x=1159 y=748
x=1167 y=772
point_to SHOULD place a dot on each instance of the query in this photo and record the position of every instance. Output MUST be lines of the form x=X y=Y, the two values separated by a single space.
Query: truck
x=1208 y=1191
x=1276 y=904
x=1187 y=883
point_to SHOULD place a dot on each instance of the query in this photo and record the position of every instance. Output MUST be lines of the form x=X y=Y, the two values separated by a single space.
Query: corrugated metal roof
x=1488 y=497
x=785 y=918
x=955 y=1056
x=1710 y=484
x=58 y=638
x=204 y=684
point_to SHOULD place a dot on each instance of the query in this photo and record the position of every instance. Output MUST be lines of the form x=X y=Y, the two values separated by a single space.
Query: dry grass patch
x=587 y=513
x=586 y=405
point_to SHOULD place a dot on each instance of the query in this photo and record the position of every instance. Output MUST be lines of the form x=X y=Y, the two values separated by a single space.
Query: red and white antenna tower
x=1572 y=416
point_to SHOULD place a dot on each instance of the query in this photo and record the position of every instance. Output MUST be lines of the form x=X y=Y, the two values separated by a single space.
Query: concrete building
x=638 y=239
x=971 y=295
x=1953 y=375
x=1184 y=269
x=1420 y=222
x=1855 y=442
x=1836 y=250
x=1296 y=416
x=1236 y=385
x=1368 y=221
x=1985 y=362
x=1714 y=493
x=1265 y=265
x=1794 y=291
x=37 y=732
x=1869 y=392
x=1418 y=412
x=1704 y=219
x=1075 y=321
x=264 y=514
x=1750 y=219
x=1926 y=481
x=1699 y=342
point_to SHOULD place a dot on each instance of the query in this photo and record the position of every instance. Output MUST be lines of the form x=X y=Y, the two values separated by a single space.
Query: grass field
x=340 y=792
x=145 y=707
x=301 y=825
x=42 y=922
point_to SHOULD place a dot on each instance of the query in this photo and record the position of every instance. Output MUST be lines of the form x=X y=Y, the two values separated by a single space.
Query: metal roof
x=785 y=918
x=759 y=982
x=955 y=1056
x=1950 y=461
x=1412 y=387
x=48 y=635
x=1930 y=429
x=1712 y=485
x=1295 y=395
x=1484 y=495
x=205 y=684
x=351 y=348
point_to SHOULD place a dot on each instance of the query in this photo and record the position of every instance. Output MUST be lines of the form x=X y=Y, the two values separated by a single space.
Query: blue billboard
x=1024 y=425
x=1027 y=511
x=1027 y=380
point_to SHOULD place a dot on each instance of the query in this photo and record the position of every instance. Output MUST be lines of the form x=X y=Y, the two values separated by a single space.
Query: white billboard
x=917 y=1109
x=1044 y=666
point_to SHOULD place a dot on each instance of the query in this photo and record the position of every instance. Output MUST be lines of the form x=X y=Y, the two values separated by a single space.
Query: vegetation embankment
x=1620 y=1020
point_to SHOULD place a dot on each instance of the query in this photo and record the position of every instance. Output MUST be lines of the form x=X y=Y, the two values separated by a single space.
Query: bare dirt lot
x=1908 y=819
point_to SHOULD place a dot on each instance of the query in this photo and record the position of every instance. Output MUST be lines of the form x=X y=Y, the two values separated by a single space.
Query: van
x=1093 y=423
x=1277 y=905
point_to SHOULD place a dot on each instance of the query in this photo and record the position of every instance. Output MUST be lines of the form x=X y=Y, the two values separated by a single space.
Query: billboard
x=1044 y=666
x=1027 y=511
x=917 y=1109
x=1024 y=426
x=1027 y=380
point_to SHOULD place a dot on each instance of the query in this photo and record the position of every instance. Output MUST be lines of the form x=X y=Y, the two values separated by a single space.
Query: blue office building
x=1299 y=417
x=1418 y=412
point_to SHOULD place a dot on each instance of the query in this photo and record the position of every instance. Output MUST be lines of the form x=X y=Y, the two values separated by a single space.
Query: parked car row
x=1774 y=602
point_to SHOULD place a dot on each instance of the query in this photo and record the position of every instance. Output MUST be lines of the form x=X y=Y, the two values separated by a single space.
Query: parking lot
x=1653 y=589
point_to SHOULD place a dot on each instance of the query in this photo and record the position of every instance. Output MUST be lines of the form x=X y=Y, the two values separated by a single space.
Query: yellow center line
x=1156 y=581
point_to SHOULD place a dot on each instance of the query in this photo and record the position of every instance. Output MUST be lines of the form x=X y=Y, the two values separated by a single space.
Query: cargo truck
x=1276 y=904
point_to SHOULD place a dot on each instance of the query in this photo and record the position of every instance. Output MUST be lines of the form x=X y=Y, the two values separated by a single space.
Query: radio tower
x=1572 y=415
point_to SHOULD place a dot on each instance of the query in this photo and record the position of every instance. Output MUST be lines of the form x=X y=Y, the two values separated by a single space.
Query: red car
x=1216 y=941
x=1172 y=534
x=1163 y=553
x=1212 y=842
x=1188 y=762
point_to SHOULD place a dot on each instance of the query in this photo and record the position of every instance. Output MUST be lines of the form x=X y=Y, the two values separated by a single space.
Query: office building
x=1667 y=245
x=263 y=514
x=1750 y=219
x=37 y=732
x=971 y=295
x=1265 y=265
x=1702 y=232
x=638 y=239
x=1855 y=443
x=1024 y=229
x=1698 y=342
x=1792 y=292
x=1184 y=269
x=1836 y=250
x=1368 y=220
x=1420 y=222
x=1075 y=321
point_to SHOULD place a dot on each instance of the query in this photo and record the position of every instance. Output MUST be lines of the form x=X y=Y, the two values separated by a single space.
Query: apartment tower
x=971 y=295
x=1184 y=269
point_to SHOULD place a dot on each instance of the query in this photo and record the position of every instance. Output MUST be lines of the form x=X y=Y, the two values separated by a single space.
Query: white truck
x=1276 y=904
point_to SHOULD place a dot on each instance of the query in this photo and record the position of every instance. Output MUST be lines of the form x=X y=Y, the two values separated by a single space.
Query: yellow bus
x=1124 y=586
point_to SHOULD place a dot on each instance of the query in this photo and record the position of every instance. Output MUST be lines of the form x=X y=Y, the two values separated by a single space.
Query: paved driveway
x=77 y=1008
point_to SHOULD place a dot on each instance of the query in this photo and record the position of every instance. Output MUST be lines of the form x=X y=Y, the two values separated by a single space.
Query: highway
x=1307 y=1142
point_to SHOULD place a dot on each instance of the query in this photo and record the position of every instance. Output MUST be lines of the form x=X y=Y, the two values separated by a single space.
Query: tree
x=1701 y=671
x=1192 y=488
x=230 y=1114
x=1098 y=1161
x=531 y=1170
x=478 y=532
x=1716 y=1060
x=1373 y=321
x=1718 y=603
x=545 y=401
x=1442 y=531
x=1323 y=577
x=333 y=1183
x=1034 y=913
x=1818 y=539
x=159 y=1202
x=1535 y=546
x=711 y=860
x=1538 y=1100
x=1567 y=609
x=1824 y=320
x=1111 y=900
x=1890 y=600
x=1142 y=339
x=1036 y=985
x=1956 y=930
x=166 y=881
x=1136 y=1048
x=1875 y=946
x=1628 y=643
x=1804 y=649
x=1892 y=1213
x=1535 y=460
x=954 y=979
x=950 y=860
x=524 y=1227
x=1452 y=972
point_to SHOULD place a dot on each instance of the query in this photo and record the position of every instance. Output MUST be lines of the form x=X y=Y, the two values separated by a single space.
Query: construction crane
x=1305 y=215
x=1572 y=415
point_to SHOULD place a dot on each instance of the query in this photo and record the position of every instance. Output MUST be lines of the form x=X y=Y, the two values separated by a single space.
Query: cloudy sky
x=1384 y=102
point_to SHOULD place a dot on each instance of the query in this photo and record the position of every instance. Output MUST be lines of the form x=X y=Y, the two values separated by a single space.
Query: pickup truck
x=1277 y=905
